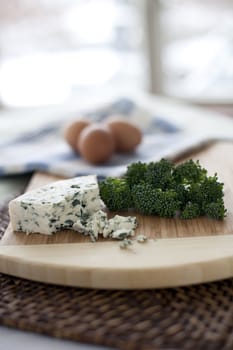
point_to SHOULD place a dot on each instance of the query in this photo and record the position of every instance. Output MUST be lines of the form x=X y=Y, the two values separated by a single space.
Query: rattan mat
x=198 y=317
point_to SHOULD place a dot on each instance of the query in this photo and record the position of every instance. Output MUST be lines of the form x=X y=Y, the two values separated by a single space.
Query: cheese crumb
x=126 y=243
x=119 y=227
x=141 y=238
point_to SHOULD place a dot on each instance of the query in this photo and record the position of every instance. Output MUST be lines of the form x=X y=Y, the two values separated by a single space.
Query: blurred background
x=52 y=51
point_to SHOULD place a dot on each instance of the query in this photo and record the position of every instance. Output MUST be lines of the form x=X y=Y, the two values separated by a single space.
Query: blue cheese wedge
x=56 y=206
x=119 y=227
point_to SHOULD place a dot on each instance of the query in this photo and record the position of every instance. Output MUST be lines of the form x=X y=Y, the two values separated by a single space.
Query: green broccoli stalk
x=116 y=194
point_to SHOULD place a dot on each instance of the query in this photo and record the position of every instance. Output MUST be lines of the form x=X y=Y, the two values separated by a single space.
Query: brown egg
x=72 y=132
x=127 y=135
x=96 y=143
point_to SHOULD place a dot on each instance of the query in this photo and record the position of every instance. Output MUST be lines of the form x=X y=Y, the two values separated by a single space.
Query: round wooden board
x=154 y=264
x=180 y=252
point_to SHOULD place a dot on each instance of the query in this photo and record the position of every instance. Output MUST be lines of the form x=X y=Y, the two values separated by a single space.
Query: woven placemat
x=198 y=317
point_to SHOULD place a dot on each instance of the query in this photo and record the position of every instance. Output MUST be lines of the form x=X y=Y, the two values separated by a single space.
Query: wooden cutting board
x=179 y=252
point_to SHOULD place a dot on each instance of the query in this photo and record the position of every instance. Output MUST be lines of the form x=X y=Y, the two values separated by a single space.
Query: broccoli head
x=159 y=174
x=190 y=211
x=150 y=201
x=189 y=172
x=195 y=195
x=143 y=196
x=115 y=193
x=215 y=210
x=182 y=194
x=166 y=203
x=135 y=173
x=211 y=189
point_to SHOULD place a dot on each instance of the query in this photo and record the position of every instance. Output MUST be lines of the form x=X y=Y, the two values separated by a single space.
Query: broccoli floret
x=115 y=193
x=211 y=190
x=195 y=195
x=143 y=196
x=215 y=210
x=166 y=203
x=206 y=192
x=135 y=173
x=189 y=172
x=160 y=188
x=150 y=201
x=159 y=174
x=182 y=194
x=190 y=211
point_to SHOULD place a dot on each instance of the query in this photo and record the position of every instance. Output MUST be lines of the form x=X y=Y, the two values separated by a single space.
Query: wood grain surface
x=180 y=252
x=216 y=158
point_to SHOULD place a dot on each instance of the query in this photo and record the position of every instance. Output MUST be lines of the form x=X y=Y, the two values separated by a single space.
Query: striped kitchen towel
x=46 y=150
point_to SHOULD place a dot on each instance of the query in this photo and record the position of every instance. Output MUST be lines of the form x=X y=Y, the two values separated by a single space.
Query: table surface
x=13 y=338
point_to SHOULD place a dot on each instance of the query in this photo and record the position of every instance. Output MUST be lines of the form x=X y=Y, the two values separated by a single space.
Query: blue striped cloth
x=46 y=150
